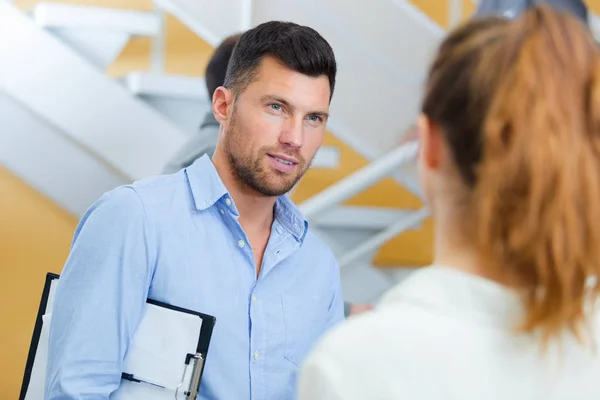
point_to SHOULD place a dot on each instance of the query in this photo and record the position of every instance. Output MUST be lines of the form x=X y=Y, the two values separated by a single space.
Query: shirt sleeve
x=99 y=300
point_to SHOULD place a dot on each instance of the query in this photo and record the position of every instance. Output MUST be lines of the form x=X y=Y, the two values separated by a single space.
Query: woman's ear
x=222 y=102
x=430 y=143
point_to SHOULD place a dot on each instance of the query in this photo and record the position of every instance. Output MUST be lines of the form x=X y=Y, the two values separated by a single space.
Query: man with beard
x=218 y=237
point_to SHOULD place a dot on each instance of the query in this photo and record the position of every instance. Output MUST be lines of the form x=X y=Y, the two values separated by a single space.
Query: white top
x=445 y=334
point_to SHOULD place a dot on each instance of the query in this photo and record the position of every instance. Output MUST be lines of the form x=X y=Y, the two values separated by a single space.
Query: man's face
x=275 y=127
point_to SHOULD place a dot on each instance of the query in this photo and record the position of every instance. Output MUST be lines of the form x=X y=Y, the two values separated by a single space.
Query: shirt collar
x=205 y=183
x=290 y=217
x=208 y=189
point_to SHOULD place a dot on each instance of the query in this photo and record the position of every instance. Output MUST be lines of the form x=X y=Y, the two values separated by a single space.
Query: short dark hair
x=299 y=48
x=217 y=66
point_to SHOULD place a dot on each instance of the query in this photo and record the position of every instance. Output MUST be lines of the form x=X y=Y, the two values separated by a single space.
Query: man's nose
x=292 y=134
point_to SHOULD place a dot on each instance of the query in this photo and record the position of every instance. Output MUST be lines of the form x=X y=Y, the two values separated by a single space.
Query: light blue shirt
x=176 y=239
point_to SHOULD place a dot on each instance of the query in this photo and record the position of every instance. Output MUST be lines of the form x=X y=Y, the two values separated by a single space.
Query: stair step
x=59 y=15
x=90 y=108
x=165 y=85
x=98 y=34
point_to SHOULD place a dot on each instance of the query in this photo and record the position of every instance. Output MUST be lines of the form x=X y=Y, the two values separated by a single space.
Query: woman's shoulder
x=360 y=358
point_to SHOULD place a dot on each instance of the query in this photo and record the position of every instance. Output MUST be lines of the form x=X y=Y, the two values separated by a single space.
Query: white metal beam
x=352 y=217
x=403 y=224
x=101 y=48
x=359 y=180
x=246 y=15
x=159 y=44
x=165 y=85
x=213 y=12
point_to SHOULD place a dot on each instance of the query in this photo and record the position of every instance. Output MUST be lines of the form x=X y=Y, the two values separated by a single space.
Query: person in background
x=220 y=237
x=510 y=165
x=514 y=8
x=204 y=140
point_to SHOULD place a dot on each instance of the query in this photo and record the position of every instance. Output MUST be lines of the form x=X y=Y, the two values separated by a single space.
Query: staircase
x=98 y=93
x=100 y=96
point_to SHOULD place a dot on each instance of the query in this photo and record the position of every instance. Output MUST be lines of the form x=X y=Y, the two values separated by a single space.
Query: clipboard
x=134 y=380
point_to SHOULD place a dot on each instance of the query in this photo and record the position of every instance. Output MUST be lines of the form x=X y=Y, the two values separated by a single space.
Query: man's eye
x=275 y=107
x=315 y=118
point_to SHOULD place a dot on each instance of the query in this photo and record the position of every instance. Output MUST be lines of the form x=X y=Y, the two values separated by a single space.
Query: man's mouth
x=284 y=159
x=281 y=160
x=283 y=163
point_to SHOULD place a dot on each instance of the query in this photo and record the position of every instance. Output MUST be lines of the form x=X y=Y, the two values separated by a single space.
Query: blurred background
x=99 y=93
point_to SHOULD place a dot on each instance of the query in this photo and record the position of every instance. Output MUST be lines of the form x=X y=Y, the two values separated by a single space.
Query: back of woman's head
x=518 y=104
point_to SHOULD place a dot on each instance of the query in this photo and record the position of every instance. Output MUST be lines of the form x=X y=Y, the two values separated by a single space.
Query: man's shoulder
x=313 y=243
x=319 y=258
x=145 y=193
x=160 y=184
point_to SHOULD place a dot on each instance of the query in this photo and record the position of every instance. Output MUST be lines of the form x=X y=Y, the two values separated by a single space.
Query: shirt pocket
x=304 y=320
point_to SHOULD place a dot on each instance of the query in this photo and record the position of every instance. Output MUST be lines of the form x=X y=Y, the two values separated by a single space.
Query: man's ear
x=222 y=102
x=430 y=142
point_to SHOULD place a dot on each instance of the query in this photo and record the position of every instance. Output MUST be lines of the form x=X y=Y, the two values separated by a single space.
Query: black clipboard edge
x=37 y=331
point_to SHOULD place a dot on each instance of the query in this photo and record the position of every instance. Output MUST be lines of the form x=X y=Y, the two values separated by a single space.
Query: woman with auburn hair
x=510 y=165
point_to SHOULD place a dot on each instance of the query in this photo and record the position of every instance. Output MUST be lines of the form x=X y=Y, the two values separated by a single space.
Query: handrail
x=359 y=180
x=375 y=241
x=157 y=59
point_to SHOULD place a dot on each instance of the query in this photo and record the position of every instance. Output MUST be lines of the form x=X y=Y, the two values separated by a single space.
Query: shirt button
x=256 y=355
x=241 y=243
x=221 y=211
x=253 y=298
x=279 y=230
x=228 y=201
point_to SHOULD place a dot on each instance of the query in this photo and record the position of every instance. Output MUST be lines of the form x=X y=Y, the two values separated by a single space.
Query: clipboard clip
x=198 y=363
x=132 y=378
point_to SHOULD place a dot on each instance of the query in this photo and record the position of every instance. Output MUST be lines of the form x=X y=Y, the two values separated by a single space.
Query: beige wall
x=35 y=235
x=594 y=6
x=438 y=10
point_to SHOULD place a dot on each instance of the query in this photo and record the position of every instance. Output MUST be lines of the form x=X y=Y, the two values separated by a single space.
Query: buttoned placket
x=277 y=249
